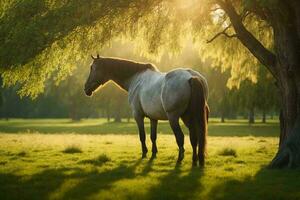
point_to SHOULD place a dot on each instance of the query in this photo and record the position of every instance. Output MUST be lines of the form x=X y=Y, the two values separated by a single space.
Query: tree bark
x=73 y=112
x=251 y=115
x=222 y=117
x=263 y=117
x=117 y=116
x=108 y=114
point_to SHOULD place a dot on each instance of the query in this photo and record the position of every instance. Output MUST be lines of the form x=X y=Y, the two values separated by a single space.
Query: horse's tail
x=198 y=110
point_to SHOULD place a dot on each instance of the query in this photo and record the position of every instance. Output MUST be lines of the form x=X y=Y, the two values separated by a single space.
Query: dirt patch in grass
x=72 y=149
x=100 y=160
x=22 y=154
x=228 y=152
x=3 y=163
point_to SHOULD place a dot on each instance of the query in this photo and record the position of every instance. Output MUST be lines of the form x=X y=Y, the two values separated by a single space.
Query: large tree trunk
x=287 y=47
x=289 y=144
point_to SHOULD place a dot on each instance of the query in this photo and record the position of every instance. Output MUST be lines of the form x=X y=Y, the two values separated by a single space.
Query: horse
x=180 y=93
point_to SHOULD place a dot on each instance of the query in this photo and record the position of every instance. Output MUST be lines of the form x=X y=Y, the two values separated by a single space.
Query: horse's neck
x=123 y=75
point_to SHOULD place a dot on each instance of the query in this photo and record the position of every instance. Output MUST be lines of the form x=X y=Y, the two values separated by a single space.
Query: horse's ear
x=93 y=57
x=98 y=55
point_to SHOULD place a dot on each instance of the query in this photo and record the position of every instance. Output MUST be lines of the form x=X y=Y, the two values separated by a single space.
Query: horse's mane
x=129 y=65
x=120 y=70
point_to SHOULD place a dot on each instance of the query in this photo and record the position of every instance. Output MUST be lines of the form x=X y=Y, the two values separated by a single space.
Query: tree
x=247 y=95
x=70 y=94
x=53 y=31
x=114 y=102
x=283 y=63
x=221 y=98
x=267 y=93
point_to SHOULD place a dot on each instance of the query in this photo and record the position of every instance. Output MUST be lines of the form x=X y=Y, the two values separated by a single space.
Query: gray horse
x=180 y=93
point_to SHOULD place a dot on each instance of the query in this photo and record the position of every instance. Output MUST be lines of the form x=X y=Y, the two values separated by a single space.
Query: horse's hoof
x=153 y=156
x=194 y=164
x=180 y=155
x=179 y=159
x=144 y=155
x=201 y=164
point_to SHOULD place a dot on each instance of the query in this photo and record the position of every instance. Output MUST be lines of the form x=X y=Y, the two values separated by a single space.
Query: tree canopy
x=45 y=40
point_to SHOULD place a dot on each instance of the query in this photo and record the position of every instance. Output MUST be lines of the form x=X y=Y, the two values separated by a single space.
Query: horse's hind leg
x=153 y=136
x=174 y=122
x=193 y=136
x=140 y=122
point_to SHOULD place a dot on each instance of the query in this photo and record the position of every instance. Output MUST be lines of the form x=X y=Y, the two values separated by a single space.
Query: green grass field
x=92 y=159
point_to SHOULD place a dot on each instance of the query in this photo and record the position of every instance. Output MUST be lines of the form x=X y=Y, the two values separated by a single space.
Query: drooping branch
x=222 y=33
x=265 y=56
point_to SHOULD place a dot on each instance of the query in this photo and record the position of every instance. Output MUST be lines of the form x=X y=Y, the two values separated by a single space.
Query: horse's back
x=163 y=93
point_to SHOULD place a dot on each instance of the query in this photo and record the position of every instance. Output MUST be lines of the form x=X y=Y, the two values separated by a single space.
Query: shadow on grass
x=266 y=184
x=38 y=186
x=96 y=182
x=177 y=184
x=42 y=185
x=172 y=184
x=46 y=183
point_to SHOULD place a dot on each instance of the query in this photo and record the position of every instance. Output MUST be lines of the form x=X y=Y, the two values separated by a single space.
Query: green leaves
x=43 y=40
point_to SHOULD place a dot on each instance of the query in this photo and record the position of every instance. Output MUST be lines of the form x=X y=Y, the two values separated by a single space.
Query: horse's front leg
x=153 y=136
x=140 y=122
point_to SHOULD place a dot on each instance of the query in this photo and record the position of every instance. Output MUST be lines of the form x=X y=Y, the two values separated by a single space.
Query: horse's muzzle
x=88 y=92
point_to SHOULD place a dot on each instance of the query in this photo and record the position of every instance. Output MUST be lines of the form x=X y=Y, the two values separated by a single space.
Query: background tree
x=222 y=101
x=248 y=98
x=267 y=93
x=114 y=102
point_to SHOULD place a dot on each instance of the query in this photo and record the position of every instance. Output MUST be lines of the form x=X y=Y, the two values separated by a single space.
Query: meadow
x=94 y=159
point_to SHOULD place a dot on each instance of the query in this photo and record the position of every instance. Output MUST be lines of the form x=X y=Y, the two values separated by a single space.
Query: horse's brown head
x=97 y=76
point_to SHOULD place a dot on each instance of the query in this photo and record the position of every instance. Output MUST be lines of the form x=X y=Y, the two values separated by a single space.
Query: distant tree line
x=68 y=100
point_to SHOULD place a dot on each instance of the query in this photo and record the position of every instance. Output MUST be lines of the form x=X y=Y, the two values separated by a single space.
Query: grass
x=109 y=165
x=101 y=126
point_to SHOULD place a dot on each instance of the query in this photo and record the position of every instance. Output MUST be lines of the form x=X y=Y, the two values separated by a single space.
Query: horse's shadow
x=174 y=183
x=96 y=182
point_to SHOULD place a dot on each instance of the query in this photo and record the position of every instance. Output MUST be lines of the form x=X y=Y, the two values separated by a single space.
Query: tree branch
x=265 y=56
x=244 y=15
x=215 y=9
x=222 y=33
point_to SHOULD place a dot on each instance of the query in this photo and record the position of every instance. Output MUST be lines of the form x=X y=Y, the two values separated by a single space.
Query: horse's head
x=97 y=76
